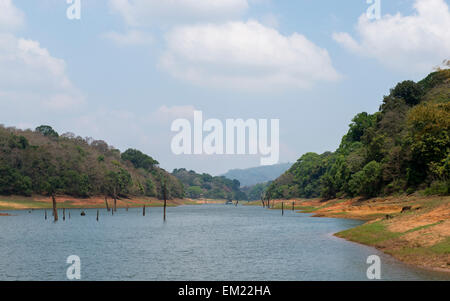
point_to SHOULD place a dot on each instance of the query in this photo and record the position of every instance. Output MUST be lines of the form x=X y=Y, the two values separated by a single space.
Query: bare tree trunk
x=55 y=212
x=282 y=208
x=143 y=211
x=64 y=214
x=106 y=202
x=165 y=200
x=97 y=214
x=45 y=212
x=115 y=199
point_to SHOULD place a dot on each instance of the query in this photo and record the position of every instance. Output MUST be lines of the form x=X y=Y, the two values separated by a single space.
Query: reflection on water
x=205 y=242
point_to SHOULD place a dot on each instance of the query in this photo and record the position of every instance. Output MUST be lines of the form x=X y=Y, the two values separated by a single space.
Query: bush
x=438 y=188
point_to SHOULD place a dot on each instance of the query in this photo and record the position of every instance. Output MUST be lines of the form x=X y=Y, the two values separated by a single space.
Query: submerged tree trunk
x=55 y=212
x=165 y=200
x=106 y=203
x=115 y=199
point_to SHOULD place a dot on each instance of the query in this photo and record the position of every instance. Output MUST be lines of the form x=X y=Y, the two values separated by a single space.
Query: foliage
x=47 y=131
x=255 y=192
x=402 y=148
x=206 y=186
x=44 y=162
x=139 y=159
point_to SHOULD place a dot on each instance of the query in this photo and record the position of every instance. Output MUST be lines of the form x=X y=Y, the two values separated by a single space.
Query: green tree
x=408 y=91
x=367 y=182
x=47 y=131
x=360 y=123
x=139 y=159
x=117 y=183
x=194 y=192
x=13 y=182
x=429 y=139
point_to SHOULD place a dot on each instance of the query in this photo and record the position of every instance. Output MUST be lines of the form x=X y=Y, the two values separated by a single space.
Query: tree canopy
x=402 y=148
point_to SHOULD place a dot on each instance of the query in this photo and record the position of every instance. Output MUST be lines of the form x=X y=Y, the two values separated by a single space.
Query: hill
x=256 y=175
x=404 y=147
x=43 y=162
x=206 y=186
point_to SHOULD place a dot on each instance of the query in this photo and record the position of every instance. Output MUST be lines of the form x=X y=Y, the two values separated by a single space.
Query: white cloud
x=132 y=37
x=10 y=16
x=145 y=12
x=404 y=43
x=270 y=20
x=29 y=75
x=245 y=55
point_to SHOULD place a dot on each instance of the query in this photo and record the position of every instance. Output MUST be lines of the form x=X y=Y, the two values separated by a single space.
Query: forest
x=44 y=162
x=402 y=148
x=209 y=187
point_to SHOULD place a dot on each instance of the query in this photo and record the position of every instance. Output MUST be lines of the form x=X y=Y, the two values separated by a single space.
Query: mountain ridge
x=257 y=175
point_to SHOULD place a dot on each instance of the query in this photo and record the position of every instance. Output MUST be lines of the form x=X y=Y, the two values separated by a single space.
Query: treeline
x=404 y=147
x=44 y=162
x=255 y=192
x=209 y=187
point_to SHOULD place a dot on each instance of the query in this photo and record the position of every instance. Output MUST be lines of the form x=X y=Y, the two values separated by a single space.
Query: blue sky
x=126 y=69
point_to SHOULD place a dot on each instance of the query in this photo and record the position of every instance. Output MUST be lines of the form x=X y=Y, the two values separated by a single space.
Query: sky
x=127 y=69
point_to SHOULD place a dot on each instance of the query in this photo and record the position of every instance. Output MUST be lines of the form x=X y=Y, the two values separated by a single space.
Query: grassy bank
x=420 y=235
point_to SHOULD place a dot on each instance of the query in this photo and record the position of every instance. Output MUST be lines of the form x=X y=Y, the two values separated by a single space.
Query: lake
x=202 y=242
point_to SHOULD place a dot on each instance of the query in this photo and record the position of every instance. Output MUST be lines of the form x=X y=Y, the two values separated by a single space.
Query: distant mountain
x=255 y=175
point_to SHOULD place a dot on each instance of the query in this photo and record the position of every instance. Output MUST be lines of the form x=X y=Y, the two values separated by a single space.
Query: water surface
x=204 y=242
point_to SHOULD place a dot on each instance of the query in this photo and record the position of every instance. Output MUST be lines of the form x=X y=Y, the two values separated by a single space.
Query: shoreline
x=420 y=236
x=413 y=229
x=12 y=203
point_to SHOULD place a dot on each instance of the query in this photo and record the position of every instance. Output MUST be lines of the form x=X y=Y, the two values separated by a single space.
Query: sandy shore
x=42 y=202
x=413 y=229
